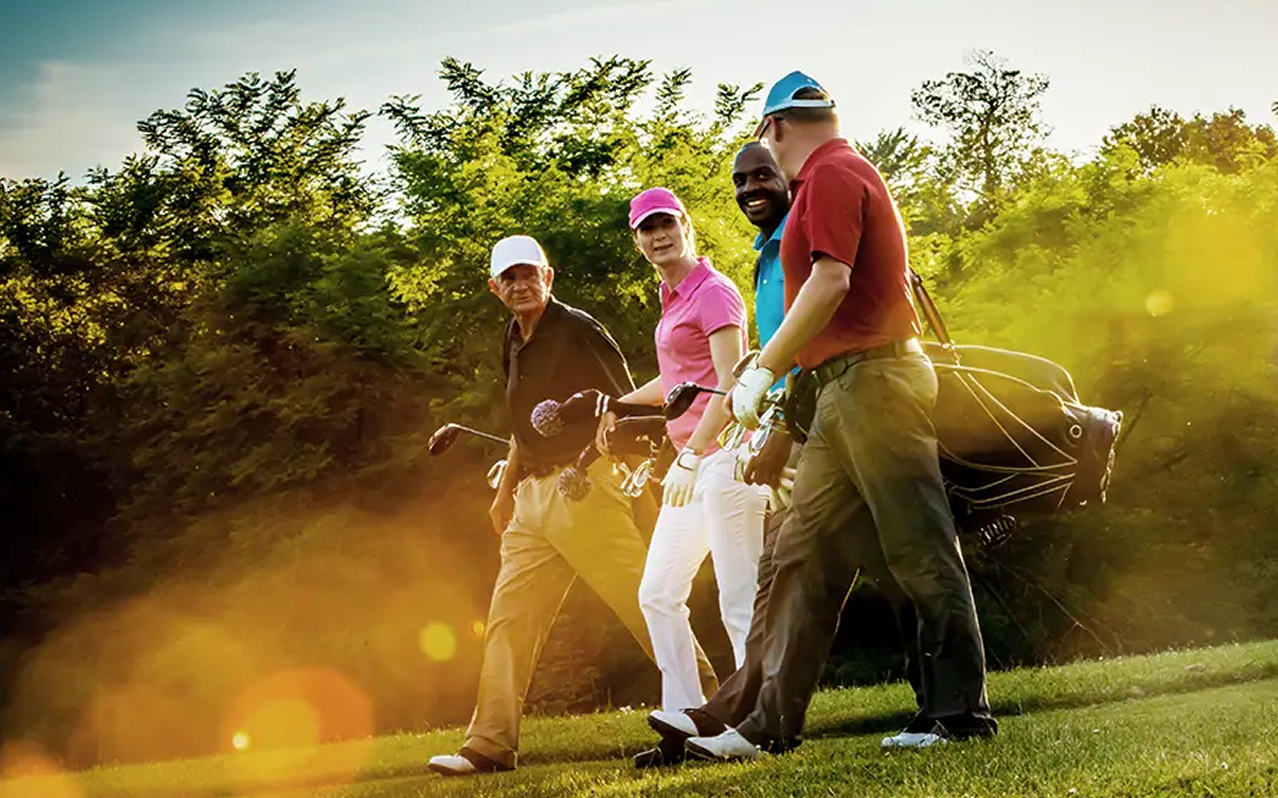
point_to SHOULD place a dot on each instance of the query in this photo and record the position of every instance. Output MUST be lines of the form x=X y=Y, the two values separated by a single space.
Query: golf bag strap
x=930 y=312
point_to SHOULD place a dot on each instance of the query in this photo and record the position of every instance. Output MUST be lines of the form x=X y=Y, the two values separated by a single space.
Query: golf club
x=550 y=417
x=443 y=438
x=682 y=396
x=496 y=473
x=641 y=435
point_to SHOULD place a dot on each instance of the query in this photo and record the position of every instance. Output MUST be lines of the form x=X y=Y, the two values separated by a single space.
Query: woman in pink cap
x=705 y=510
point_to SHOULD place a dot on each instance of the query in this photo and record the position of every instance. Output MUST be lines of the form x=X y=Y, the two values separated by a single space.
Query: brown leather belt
x=830 y=370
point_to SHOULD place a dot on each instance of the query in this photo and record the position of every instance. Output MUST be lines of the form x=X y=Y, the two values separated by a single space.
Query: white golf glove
x=681 y=479
x=748 y=393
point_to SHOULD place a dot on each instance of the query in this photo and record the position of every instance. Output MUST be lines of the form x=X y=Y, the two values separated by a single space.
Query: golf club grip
x=624 y=438
x=637 y=427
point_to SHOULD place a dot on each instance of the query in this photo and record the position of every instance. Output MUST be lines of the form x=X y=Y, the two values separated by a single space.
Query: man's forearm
x=510 y=480
x=812 y=310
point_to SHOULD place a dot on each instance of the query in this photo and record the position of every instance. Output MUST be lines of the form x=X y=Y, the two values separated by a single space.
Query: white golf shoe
x=727 y=747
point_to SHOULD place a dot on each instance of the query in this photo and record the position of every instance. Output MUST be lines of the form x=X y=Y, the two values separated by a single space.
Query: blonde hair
x=685 y=226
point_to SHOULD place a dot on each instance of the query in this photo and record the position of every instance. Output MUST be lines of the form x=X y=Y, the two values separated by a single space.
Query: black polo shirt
x=569 y=352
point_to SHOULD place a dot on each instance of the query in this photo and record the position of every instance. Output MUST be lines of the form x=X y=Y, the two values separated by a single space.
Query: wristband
x=682 y=452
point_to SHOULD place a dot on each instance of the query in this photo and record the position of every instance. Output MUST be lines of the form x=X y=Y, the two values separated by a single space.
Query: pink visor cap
x=654 y=200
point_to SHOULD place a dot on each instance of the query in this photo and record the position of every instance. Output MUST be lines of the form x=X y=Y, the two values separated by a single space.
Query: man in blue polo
x=869 y=470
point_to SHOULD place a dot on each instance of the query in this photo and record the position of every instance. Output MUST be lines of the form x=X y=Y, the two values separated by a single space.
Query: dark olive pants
x=868 y=472
x=738 y=694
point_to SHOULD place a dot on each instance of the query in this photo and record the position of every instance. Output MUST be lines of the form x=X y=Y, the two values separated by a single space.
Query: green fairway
x=1201 y=722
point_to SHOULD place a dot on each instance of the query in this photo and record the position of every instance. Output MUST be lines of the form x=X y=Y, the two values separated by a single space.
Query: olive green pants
x=868 y=474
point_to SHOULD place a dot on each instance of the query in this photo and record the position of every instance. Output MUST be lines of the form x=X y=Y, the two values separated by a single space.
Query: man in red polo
x=869 y=472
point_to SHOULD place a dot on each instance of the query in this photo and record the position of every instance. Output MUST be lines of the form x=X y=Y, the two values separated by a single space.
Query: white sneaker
x=672 y=724
x=726 y=747
x=913 y=740
x=452 y=765
x=461 y=765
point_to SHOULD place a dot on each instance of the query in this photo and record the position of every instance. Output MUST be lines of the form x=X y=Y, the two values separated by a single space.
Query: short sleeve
x=720 y=305
x=835 y=214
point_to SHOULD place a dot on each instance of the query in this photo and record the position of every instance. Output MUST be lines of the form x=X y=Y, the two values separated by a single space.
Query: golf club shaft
x=472 y=431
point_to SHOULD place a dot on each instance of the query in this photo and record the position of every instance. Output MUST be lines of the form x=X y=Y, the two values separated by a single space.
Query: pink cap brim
x=634 y=223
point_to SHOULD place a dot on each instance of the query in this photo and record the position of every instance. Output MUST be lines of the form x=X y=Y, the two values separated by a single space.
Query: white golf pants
x=725 y=520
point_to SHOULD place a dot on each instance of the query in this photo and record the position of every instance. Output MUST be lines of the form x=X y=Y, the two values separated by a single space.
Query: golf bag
x=1014 y=439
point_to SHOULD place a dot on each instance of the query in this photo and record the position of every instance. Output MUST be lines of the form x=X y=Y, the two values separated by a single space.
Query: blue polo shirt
x=769 y=288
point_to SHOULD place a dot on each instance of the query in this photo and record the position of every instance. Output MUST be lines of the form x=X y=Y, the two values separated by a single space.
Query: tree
x=1228 y=142
x=58 y=317
x=992 y=114
x=900 y=157
x=1224 y=141
x=557 y=156
x=925 y=197
x=1157 y=136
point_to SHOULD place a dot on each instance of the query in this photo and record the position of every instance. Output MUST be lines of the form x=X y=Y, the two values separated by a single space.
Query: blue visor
x=781 y=96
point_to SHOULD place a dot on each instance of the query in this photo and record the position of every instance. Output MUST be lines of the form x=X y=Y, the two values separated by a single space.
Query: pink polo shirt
x=704 y=302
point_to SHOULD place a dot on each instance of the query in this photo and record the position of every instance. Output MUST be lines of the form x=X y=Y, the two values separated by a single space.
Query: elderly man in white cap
x=551 y=351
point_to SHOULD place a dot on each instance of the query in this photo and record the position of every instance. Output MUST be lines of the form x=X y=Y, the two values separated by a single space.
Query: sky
x=77 y=75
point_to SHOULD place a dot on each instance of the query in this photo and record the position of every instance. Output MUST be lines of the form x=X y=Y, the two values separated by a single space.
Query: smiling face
x=760 y=187
x=662 y=239
x=524 y=287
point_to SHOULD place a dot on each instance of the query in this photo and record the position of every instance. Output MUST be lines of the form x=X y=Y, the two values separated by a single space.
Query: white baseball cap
x=514 y=250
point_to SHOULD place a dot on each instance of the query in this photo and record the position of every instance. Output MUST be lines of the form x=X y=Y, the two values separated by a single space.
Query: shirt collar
x=548 y=316
x=690 y=283
x=760 y=242
x=818 y=155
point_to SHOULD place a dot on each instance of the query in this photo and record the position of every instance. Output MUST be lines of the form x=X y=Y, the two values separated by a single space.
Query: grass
x=1197 y=722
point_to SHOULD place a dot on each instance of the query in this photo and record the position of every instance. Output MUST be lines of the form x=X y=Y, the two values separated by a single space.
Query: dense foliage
x=221 y=362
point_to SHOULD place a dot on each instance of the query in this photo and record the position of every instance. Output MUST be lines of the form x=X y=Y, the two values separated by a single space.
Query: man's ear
x=549 y=277
x=492 y=286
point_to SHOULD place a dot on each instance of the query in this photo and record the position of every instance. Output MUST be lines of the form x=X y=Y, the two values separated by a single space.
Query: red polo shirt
x=843 y=209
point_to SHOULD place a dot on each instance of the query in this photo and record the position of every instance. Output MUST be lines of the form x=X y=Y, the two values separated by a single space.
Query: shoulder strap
x=931 y=314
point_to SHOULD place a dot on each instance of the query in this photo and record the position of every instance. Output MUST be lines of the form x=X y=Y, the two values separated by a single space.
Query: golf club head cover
x=573 y=483
x=550 y=417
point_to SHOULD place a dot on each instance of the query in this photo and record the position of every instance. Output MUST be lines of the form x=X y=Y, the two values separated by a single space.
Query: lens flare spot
x=1159 y=303
x=299 y=723
x=438 y=642
x=477 y=629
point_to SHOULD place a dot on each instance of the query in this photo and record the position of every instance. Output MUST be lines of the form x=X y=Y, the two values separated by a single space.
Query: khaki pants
x=549 y=543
